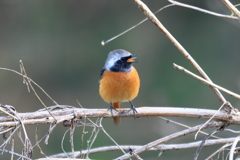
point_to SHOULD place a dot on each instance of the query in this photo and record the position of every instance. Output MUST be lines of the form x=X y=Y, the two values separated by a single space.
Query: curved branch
x=162 y=147
x=68 y=113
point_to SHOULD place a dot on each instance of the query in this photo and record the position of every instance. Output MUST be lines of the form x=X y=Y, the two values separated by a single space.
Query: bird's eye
x=124 y=59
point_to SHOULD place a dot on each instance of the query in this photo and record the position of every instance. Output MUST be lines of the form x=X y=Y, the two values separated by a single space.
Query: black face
x=122 y=65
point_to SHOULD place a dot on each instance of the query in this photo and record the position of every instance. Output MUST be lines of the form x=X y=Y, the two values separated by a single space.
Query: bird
x=119 y=81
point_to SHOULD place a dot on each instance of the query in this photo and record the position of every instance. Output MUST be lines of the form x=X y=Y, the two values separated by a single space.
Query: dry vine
x=73 y=117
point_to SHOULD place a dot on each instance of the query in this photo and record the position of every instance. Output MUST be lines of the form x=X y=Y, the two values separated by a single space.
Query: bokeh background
x=59 y=43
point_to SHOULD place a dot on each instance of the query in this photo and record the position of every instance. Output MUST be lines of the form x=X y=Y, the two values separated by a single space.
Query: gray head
x=119 y=60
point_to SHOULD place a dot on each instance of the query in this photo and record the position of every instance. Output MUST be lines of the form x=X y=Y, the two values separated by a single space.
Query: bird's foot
x=133 y=109
x=111 y=108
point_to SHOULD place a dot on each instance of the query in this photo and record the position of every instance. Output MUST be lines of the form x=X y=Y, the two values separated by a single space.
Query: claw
x=133 y=109
x=111 y=108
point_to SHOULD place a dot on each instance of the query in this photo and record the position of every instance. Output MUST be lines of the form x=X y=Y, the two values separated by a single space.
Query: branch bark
x=68 y=113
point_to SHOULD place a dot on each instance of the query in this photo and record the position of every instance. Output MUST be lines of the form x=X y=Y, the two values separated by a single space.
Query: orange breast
x=119 y=86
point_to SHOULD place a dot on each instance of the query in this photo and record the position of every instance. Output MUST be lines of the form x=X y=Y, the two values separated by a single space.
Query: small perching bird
x=119 y=80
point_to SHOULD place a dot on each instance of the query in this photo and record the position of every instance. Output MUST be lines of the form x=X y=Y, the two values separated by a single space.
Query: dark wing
x=102 y=72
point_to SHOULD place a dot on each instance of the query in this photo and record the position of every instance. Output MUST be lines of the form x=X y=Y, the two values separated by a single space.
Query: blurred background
x=59 y=43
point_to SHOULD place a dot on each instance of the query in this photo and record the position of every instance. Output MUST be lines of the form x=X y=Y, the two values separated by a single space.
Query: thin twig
x=93 y=136
x=230 y=130
x=11 y=70
x=3 y=145
x=50 y=130
x=20 y=135
x=162 y=147
x=209 y=120
x=83 y=131
x=170 y=137
x=159 y=25
x=109 y=40
x=233 y=147
x=232 y=8
x=135 y=155
x=202 y=10
x=202 y=144
x=3 y=110
x=173 y=4
x=37 y=142
x=74 y=123
x=64 y=152
x=186 y=126
x=27 y=143
x=19 y=155
x=12 y=147
x=6 y=130
x=206 y=81
x=217 y=151
x=101 y=127
x=27 y=81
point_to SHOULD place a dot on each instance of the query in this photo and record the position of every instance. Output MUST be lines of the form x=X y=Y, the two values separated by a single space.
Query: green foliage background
x=59 y=42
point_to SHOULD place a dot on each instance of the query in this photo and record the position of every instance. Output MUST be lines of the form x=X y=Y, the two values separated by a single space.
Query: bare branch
x=38 y=141
x=12 y=147
x=202 y=10
x=67 y=114
x=162 y=147
x=219 y=150
x=230 y=130
x=206 y=82
x=30 y=80
x=202 y=143
x=209 y=120
x=183 y=125
x=232 y=8
x=27 y=81
x=64 y=135
x=129 y=29
x=159 y=25
x=19 y=155
x=233 y=147
x=101 y=127
x=171 y=137
x=7 y=113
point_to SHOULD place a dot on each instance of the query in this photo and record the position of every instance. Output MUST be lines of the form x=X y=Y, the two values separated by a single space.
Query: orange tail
x=116 y=120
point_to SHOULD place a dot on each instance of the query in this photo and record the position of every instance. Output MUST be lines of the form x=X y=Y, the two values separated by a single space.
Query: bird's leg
x=111 y=108
x=133 y=109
